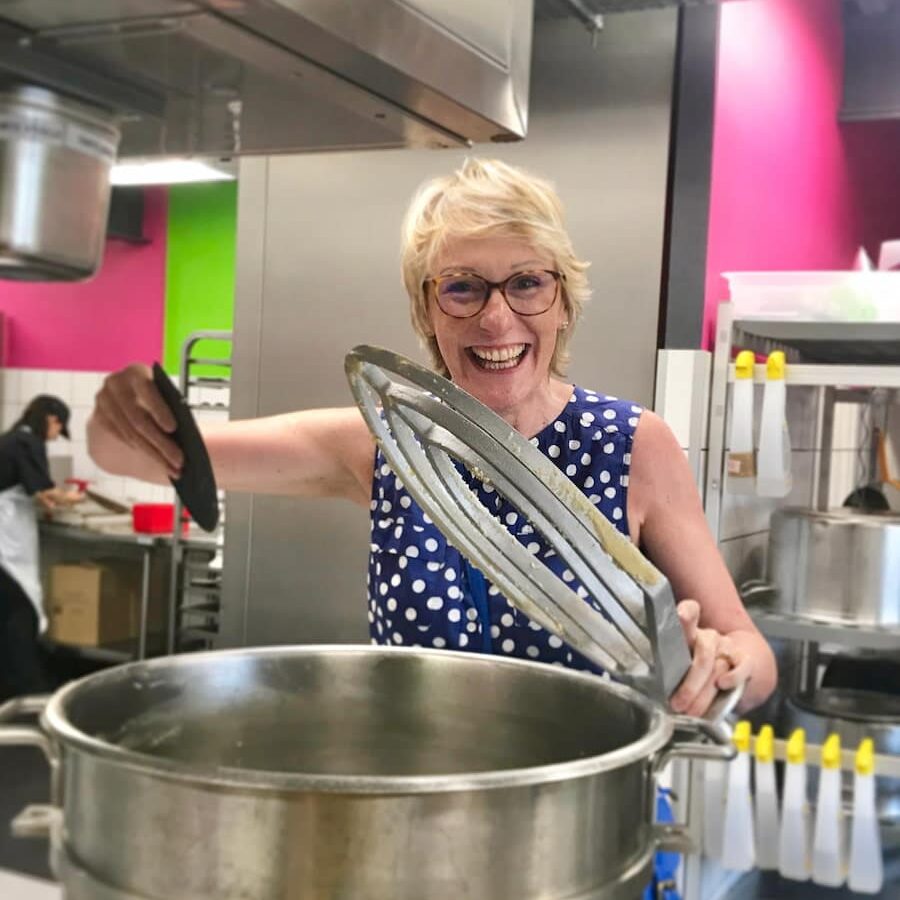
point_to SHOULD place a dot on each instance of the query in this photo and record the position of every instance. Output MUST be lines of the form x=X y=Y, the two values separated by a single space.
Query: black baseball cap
x=48 y=405
x=62 y=412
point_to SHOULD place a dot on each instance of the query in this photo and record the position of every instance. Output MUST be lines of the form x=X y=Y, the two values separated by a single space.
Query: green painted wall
x=200 y=250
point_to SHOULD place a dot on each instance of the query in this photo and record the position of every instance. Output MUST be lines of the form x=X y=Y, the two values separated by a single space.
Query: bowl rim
x=660 y=727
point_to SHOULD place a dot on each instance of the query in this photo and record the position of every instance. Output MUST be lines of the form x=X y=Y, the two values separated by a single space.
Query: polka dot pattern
x=422 y=592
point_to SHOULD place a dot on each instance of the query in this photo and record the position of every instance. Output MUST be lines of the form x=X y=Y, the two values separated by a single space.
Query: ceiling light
x=168 y=171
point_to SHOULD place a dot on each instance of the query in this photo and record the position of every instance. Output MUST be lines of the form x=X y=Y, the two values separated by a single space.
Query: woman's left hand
x=718 y=663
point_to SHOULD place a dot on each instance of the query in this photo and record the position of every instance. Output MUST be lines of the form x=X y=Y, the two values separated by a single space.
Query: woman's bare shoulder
x=660 y=476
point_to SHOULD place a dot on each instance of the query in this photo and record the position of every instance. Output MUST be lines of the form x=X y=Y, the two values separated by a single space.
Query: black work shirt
x=23 y=460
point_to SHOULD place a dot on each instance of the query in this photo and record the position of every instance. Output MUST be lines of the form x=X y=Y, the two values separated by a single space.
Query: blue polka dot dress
x=423 y=592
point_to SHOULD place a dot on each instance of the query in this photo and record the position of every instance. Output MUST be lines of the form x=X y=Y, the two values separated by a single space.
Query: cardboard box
x=96 y=602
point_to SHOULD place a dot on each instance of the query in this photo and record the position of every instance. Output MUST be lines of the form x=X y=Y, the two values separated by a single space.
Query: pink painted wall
x=70 y=326
x=781 y=193
x=873 y=155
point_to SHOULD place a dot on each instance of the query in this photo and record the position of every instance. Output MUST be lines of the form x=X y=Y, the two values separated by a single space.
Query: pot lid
x=840 y=515
x=874 y=707
x=424 y=424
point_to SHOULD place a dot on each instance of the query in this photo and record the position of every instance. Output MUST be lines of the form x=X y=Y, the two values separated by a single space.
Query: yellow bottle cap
x=775 y=366
x=796 y=747
x=831 y=752
x=741 y=736
x=765 y=744
x=865 y=757
x=743 y=364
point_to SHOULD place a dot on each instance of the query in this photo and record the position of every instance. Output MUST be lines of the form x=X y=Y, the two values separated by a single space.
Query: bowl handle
x=714 y=743
x=712 y=729
x=35 y=820
x=25 y=735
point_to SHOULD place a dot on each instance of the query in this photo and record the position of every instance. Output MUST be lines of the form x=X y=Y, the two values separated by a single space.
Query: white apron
x=19 y=545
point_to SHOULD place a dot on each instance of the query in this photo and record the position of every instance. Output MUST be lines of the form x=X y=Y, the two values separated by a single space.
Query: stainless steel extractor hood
x=226 y=78
x=231 y=77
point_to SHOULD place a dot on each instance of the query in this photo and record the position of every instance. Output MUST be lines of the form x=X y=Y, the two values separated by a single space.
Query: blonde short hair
x=488 y=198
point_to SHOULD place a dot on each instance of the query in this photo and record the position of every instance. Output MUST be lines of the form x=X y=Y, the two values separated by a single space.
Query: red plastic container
x=156 y=518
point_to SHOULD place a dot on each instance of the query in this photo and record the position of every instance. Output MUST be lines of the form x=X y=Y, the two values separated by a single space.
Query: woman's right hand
x=131 y=426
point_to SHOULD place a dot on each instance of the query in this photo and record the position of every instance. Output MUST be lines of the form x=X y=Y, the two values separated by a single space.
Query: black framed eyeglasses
x=464 y=294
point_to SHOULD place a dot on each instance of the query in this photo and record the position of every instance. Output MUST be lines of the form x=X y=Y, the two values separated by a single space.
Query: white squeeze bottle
x=793 y=838
x=866 y=866
x=773 y=462
x=766 y=800
x=738 y=852
x=715 y=771
x=828 y=838
x=740 y=465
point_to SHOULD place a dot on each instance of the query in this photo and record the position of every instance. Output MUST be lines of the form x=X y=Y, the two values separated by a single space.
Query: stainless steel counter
x=150 y=548
x=195 y=536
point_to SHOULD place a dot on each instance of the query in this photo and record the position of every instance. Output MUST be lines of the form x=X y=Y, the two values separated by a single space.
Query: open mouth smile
x=497 y=359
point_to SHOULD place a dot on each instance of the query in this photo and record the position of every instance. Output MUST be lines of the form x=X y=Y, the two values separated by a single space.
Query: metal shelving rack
x=845 y=362
x=195 y=583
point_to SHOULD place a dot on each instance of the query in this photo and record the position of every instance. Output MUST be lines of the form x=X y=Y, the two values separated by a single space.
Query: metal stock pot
x=353 y=772
x=55 y=158
x=840 y=566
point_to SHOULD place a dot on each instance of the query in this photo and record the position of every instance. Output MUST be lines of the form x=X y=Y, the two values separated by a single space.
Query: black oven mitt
x=196 y=486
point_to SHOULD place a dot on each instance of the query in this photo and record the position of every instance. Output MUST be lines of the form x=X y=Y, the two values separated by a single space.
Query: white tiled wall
x=77 y=389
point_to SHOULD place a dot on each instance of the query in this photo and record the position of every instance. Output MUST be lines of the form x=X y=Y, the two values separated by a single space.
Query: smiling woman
x=488 y=199
x=492 y=348
x=495 y=290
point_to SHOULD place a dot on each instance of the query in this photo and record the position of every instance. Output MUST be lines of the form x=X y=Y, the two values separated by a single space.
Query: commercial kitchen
x=219 y=187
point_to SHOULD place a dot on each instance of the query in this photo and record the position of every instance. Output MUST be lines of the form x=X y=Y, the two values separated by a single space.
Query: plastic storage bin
x=155 y=518
x=816 y=296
